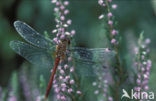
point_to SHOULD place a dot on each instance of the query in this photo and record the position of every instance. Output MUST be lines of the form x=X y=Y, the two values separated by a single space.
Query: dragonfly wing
x=91 y=62
x=92 y=56
x=33 y=54
x=32 y=36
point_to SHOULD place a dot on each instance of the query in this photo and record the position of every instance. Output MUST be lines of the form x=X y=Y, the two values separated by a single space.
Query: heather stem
x=118 y=69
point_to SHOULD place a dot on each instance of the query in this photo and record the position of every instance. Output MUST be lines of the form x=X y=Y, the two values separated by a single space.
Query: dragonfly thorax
x=61 y=49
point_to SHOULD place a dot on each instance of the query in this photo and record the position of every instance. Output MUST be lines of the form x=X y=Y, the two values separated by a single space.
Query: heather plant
x=83 y=79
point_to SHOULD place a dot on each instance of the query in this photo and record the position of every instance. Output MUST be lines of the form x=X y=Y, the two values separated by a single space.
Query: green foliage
x=14 y=83
x=132 y=17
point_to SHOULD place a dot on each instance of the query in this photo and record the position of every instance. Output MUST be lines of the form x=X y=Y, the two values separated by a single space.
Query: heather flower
x=70 y=90
x=38 y=98
x=62 y=18
x=101 y=16
x=94 y=84
x=12 y=98
x=66 y=3
x=71 y=81
x=69 y=59
x=63 y=98
x=67 y=33
x=62 y=71
x=96 y=92
x=64 y=81
x=110 y=14
x=60 y=77
x=71 y=69
x=69 y=22
x=110 y=22
x=114 y=32
x=63 y=89
x=63 y=85
x=147 y=41
x=110 y=98
x=53 y=1
x=73 y=32
x=113 y=41
x=67 y=77
x=78 y=92
x=66 y=11
x=58 y=96
x=55 y=40
x=114 y=6
x=100 y=2
x=25 y=87
x=57 y=90
x=143 y=66
x=66 y=66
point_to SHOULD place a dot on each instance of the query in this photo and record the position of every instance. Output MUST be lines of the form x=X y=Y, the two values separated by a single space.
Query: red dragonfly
x=39 y=50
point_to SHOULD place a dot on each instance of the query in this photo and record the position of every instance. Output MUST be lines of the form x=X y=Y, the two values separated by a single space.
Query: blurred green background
x=133 y=16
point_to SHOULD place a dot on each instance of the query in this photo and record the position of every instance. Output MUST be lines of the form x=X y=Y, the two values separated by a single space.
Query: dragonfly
x=38 y=49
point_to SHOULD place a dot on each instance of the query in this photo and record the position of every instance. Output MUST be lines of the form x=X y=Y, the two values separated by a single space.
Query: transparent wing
x=31 y=36
x=92 y=56
x=91 y=62
x=33 y=54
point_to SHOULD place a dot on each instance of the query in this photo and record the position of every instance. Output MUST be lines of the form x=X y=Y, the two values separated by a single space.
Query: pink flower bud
x=114 y=6
x=71 y=69
x=62 y=36
x=63 y=89
x=57 y=90
x=53 y=1
x=114 y=32
x=147 y=41
x=113 y=41
x=96 y=92
x=146 y=88
x=110 y=98
x=67 y=77
x=57 y=3
x=66 y=12
x=94 y=83
x=60 y=77
x=110 y=22
x=69 y=59
x=100 y=2
x=62 y=71
x=58 y=96
x=66 y=3
x=56 y=9
x=73 y=32
x=59 y=67
x=12 y=98
x=69 y=22
x=101 y=16
x=63 y=85
x=62 y=7
x=70 y=90
x=55 y=40
x=138 y=81
x=110 y=14
x=62 y=18
x=63 y=98
x=66 y=66
x=71 y=81
x=78 y=92
x=55 y=85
